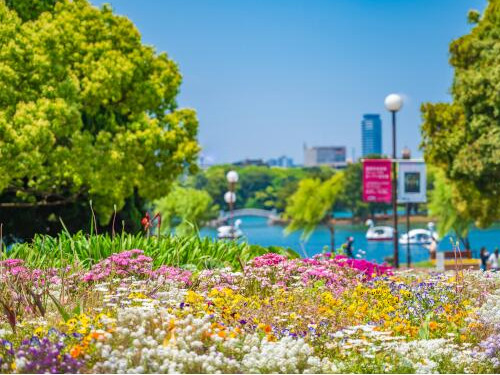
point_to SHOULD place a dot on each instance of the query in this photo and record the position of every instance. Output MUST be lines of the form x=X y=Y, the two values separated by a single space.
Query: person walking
x=484 y=255
x=493 y=260
x=349 y=248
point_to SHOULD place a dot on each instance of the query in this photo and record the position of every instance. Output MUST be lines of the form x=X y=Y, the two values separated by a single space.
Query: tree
x=186 y=209
x=462 y=138
x=312 y=204
x=351 y=195
x=441 y=205
x=213 y=180
x=87 y=112
x=29 y=9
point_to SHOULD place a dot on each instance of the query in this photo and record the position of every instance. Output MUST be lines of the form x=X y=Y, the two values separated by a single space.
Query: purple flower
x=46 y=356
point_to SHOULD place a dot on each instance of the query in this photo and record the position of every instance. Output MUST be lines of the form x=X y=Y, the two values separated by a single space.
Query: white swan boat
x=379 y=233
x=420 y=236
x=229 y=231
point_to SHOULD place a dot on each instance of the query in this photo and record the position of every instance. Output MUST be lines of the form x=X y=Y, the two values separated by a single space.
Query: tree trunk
x=331 y=228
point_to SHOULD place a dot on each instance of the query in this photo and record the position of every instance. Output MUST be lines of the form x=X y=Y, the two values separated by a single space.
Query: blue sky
x=267 y=76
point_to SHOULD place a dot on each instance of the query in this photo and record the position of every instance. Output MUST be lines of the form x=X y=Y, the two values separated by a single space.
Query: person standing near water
x=348 y=247
x=432 y=247
x=493 y=260
x=483 y=255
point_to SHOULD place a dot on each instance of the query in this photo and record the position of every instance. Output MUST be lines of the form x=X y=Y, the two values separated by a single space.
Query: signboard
x=412 y=182
x=377 y=180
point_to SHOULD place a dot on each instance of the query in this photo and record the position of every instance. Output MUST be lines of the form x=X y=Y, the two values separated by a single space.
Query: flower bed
x=321 y=315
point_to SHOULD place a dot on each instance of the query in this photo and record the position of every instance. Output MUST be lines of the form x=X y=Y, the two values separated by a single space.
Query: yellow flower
x=40 y=331
x=171 y=324
x=137 y=295
x=193 y=297
x=271 y=338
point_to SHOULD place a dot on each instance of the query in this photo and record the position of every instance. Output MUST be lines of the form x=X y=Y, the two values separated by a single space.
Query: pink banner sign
x=377 y=185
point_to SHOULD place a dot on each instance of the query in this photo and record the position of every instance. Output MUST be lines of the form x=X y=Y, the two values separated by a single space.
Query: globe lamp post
x=230 y=196
x=393 y=104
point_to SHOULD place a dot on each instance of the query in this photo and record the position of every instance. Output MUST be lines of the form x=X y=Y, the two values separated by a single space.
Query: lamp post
x=393 y=103
x=407 y=155
x=230 y=196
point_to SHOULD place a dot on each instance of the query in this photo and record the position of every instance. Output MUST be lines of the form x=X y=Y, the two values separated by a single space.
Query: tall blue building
x=371 y=134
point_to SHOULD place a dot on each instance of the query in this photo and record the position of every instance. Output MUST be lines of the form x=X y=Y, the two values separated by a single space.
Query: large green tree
x=462 y=138
x=185 y=209
x=312 y=205
x=87 y=111
x=441 y=205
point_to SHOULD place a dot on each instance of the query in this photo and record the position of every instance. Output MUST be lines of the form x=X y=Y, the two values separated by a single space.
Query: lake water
x=258 y=232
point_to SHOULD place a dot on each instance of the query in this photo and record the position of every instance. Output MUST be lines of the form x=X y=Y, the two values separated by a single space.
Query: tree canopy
x=185 y=209
x=312 y=204
x=87 y=111
x=463 y=137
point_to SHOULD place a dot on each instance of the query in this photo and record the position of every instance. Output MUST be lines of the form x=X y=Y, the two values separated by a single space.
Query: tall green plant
x=312 y=204
x=86 y=250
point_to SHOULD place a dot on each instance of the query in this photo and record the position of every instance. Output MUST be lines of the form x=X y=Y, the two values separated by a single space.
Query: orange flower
x=267 y=329
x=75 y=351
x=206 y=335
x=433 y=325
x=222 y=334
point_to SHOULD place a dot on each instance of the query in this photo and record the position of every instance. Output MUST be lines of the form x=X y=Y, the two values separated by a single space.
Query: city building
x=371 y=134
x=406 y=153
x=282 y=162
x=333 y=156
x=246 y=162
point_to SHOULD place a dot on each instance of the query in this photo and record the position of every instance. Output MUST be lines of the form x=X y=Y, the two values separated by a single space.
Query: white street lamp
x=393 y=103
x=230 y=197
x=232 y=177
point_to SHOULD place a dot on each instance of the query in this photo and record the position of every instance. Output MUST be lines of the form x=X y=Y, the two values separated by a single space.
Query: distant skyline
x=371 y=135
x=267 y=76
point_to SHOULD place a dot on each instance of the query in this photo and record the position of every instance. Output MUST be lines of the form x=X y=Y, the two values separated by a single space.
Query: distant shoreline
x=379 y=219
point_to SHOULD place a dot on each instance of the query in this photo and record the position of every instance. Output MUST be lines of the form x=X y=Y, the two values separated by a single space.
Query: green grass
x=424 y=264
x=190 y=252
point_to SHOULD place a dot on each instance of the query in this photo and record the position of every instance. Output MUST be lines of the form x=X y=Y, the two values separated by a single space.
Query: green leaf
x=64 y=314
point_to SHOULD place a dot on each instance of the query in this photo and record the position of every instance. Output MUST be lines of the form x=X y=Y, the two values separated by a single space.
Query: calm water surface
x=258 y=232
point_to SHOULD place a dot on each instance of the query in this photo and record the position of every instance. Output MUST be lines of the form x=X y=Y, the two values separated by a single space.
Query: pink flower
x=269 y=259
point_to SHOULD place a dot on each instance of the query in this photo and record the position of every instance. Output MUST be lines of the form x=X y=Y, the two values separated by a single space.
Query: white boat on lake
x=229 y=231
x=420 y=236
x=378 y=233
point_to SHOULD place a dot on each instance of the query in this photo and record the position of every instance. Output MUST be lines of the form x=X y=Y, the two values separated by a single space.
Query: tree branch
x=43 y=203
